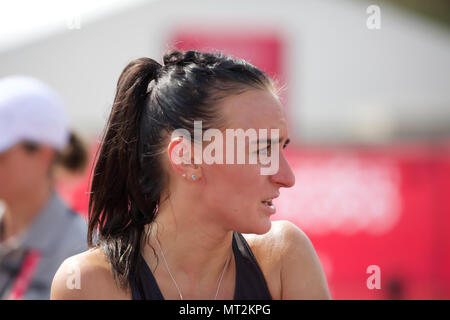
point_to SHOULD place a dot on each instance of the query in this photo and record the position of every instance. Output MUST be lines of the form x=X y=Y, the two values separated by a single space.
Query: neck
x=196 y=249
x=22 y=211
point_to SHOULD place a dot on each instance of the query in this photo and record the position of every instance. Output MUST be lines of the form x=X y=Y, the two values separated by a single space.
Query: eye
x=267 y=148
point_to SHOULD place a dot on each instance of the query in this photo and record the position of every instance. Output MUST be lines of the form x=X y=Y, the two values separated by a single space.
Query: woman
x=171 y=229
x=37 y=229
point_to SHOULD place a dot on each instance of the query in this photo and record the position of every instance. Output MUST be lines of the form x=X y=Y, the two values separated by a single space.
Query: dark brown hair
x=128 y=179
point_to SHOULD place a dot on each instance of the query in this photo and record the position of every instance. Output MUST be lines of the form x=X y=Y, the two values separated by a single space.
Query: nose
x=285 y=176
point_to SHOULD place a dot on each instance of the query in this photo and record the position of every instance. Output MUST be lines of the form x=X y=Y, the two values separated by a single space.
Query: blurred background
x=366 y=90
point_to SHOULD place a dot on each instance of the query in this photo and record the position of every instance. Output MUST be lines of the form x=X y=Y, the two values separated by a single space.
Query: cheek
x=10 y=176
x=17 y=175
x=233 y=187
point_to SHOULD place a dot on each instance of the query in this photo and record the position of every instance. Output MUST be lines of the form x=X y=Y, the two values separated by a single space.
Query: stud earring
x=184 y=175
x=194 y=177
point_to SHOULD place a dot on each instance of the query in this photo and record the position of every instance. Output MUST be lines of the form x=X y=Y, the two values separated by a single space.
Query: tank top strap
x=250 y=281
x=143 y=284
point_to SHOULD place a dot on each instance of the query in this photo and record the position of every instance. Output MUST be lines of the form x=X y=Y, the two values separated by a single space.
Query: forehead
x=257 y=109
x=12 y=154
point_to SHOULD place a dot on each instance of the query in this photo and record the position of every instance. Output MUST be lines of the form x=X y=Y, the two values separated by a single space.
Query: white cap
x=31 y=111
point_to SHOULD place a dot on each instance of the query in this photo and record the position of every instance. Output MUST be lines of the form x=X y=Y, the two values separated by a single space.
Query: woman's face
x=236 y=192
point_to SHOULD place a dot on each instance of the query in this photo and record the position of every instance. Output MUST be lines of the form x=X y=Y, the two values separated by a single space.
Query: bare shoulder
x=268 y=249
x=281 y=236
x=86 y=276
x=288 y=250
x=302 y=276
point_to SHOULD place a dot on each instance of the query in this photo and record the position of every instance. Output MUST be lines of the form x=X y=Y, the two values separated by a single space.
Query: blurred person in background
x=37 y=230
x=160 y=229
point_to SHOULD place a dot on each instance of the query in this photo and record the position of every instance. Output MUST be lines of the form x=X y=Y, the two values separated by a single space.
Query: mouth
x=268 y=204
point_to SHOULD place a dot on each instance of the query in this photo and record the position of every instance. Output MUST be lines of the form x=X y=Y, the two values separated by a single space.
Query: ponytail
x=119 y=207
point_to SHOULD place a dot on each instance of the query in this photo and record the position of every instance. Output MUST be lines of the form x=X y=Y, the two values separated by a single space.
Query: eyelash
x=269 y=146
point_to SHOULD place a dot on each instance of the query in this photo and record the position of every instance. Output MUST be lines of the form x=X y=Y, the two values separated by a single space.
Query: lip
x=269 y=209
x=271 y=198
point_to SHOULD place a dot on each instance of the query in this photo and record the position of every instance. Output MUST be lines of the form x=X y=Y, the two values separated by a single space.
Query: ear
x=180 y=152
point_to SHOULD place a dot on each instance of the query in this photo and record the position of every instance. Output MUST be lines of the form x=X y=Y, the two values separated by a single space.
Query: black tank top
x=250 y=283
